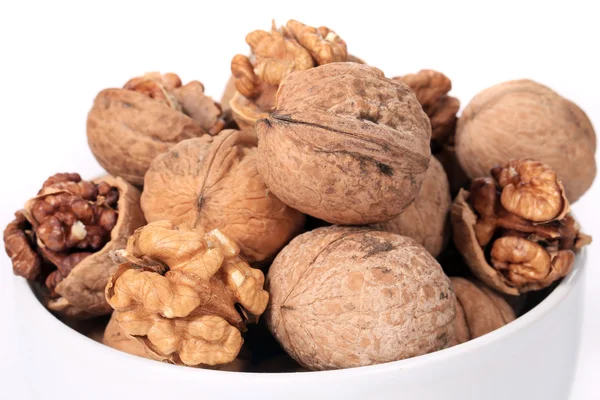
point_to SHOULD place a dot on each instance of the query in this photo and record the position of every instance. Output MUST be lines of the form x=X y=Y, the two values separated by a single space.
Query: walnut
x=115 y=337
x=214 y=183
x=228 y=94
x=185 y=295
x=479 y=310
x=431 y=88
x=275 y=54
x=456 y=175
x=531 y=190
x=427 y=218
x=514 y=230
x=64 y=235
x=520 y=119
x=355 y=151
x=346 y=297
x=128 y=127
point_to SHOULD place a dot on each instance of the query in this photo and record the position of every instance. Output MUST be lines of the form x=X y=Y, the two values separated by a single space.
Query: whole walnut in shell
x=213 y=182
x=524 y=119
x=64 y=235
x=514 y=229
x=128 y=127
x=479 y=310
x=185 y=295
x=274 y=54
x=427 y=218
x=344 y=144
x=346 y=297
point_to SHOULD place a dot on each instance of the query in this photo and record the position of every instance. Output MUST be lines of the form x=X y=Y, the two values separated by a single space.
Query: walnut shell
x=427 y=219
x=82 y=291
x=479 y=310
x=228 y=94
x=213 y=183
x=126 y=130
x=247 y=111
x=346 y=297
x=344 y=144
x=115 y=337
x=524 y=119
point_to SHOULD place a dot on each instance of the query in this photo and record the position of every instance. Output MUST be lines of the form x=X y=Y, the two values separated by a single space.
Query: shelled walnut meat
x=524 y=119
x=274 y=54
x=63 y=237
x=427 y=219
x=185 y=295
x=355 y=151
x=479 y=310
x=352 y=296
x=514 y=229
x=128 y=127
x=431 y=89
x=213 y=183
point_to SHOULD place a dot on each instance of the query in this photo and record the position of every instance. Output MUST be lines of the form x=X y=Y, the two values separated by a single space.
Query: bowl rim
x=562 y=290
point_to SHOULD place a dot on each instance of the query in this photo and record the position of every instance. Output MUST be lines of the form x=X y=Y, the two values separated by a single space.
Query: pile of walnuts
x=330 y=200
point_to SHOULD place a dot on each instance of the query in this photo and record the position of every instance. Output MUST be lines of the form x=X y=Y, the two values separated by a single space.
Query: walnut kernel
x=185 y=295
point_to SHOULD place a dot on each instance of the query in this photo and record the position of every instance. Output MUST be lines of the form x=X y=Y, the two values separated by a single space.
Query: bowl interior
x=530 y=308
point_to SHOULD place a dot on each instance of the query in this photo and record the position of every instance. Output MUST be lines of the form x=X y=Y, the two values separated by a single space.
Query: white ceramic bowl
x=533 y=357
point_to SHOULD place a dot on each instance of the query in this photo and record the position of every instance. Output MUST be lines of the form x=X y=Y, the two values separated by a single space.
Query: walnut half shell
x=479 y=310
x=127 y=128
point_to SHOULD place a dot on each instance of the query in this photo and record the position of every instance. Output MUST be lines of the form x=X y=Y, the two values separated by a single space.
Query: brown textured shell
x=346 y=297
x=479 y=310
x=82 y=291
x=126 y=130
x=427 y=219
x=344 y=144
x=524 y=119
x=115 y=337
x=213 y=183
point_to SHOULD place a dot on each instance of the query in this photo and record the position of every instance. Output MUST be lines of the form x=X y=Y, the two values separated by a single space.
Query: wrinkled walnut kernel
x=185 y=295
x=274 y=55
x=68 y=220
x=431 y=88
x=19 y=242
x=531 y=190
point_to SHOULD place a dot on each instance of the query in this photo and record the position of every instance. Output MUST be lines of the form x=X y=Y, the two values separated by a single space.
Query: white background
x=55 y=57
